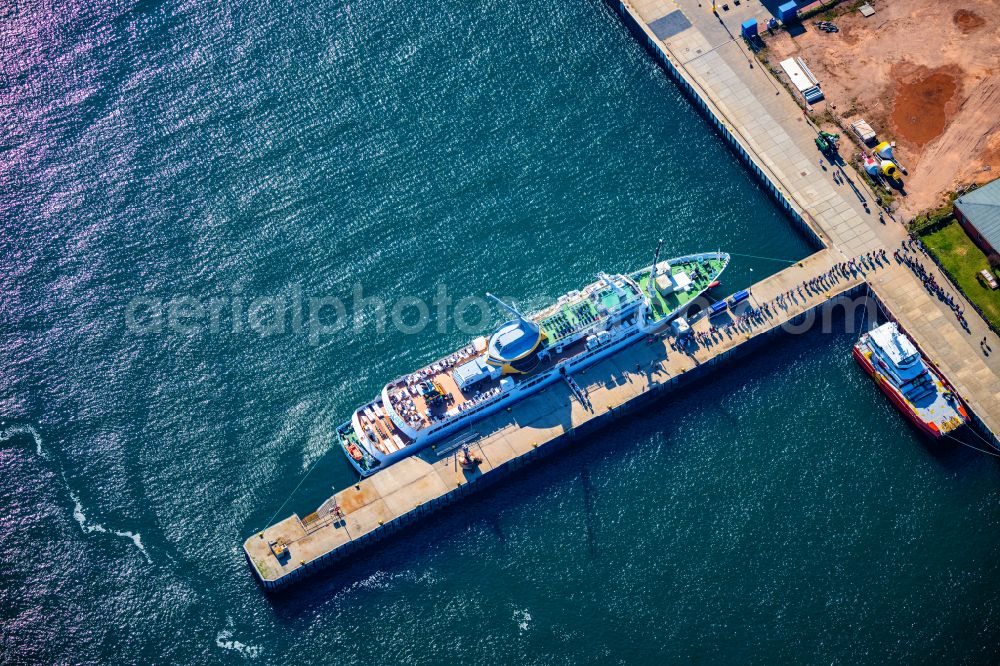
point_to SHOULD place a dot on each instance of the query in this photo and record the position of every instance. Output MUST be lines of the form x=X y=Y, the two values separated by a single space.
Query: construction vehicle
x=827 y=142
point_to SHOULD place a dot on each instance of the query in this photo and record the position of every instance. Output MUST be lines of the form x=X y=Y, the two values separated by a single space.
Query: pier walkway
x=706 y=52
x=400 y=494
x=770 y=131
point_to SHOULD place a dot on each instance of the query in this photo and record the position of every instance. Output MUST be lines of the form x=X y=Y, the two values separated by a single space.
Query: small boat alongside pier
x=914 y=387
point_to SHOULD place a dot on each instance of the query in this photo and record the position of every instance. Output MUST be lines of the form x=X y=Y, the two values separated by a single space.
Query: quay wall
x=703 y=103
x=976 y=422
x=597 y=422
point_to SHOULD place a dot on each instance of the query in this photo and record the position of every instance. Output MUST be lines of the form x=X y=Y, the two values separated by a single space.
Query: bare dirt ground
x=923 y=73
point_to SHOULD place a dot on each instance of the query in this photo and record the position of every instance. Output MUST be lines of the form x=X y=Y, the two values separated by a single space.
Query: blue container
x=716 y=308
x=788 y=12
x=739 y=297
x=749 y=29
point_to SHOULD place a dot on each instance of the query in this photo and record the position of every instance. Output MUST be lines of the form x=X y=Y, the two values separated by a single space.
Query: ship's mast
x=611 y=283
x=509 y=308
x=652 y=273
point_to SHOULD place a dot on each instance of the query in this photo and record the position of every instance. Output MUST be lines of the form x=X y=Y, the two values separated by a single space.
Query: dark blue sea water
x=177 y=176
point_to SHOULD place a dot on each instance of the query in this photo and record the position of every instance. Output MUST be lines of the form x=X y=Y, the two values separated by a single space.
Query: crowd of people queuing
x=755 y=315
x=909 y=254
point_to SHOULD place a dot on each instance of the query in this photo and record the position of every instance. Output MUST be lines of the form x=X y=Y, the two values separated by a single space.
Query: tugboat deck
x=664 y=304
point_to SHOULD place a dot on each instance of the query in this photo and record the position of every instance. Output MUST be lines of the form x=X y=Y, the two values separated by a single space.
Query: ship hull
x=641 y=326
x=929 y=429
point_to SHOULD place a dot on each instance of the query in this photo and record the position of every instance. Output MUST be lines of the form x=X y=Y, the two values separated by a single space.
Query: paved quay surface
x=773 y=130
x=539 y=421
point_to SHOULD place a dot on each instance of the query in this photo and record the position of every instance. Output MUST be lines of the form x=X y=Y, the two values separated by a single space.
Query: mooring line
x=981 y=438
x=974 y=448
x=270 y=520
x=753 y=256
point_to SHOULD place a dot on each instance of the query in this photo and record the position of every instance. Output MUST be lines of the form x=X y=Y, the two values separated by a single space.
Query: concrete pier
x=703 y=52
x=770 y=133
x=400 y=494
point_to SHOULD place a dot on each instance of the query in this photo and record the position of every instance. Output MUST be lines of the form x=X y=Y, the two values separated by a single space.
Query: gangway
x=465 y=438
x=577 y=391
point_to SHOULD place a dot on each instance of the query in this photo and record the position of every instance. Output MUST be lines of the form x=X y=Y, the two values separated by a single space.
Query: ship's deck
x=936 y=408
x=666 y=304
x=401 y=493
x=383 y=433
x=572 y=315
x=418 y=409
x=569 y=318
x=457 y=400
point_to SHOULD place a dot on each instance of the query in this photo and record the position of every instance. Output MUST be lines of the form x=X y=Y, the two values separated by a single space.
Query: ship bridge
x=514 y=346
x=902 y=357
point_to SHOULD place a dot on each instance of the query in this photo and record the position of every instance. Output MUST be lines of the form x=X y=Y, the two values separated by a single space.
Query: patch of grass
x=265 y=571
x=962 y=259
x=932 y=219
x=855 y=109
x=825 y=118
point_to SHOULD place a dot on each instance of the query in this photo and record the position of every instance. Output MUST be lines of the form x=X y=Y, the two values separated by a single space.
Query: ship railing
x=453 y=444
x=327 y=514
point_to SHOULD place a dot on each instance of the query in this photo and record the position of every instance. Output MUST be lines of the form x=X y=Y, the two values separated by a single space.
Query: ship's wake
x=224 y=640
x=89 y=526
x=9 y=432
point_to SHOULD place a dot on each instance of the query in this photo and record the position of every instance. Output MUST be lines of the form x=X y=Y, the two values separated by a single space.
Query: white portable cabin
x=473 y=372
x=802 y=79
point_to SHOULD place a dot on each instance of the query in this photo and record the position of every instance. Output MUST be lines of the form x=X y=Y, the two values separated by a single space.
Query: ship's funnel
x=512 y=347
x=871 y=166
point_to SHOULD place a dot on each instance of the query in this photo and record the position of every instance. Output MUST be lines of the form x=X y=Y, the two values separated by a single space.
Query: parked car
x=987 y=279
